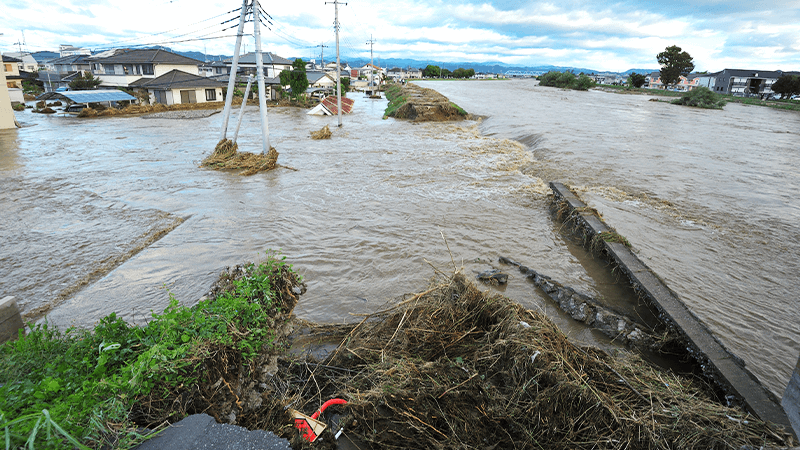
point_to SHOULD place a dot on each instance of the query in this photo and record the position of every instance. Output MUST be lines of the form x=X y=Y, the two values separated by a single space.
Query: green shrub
x=701 y=97
x=557 y=79
x=583 y=83
x=19 y=107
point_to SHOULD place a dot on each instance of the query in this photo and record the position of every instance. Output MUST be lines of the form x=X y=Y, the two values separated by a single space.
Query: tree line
x=438 y=72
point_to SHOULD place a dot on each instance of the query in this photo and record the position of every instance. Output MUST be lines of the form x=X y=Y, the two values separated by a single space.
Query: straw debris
x=455 y=367
x=226 y=156
x=324 y=133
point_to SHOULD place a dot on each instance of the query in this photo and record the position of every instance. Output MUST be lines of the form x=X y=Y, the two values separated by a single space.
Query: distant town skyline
x=602 y=35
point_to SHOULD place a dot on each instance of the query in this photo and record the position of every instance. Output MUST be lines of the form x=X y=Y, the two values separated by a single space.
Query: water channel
x=110 y=214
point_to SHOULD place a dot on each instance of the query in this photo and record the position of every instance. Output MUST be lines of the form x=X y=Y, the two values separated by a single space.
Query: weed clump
x=227 y=156
x=701 y=97
x=420 y=105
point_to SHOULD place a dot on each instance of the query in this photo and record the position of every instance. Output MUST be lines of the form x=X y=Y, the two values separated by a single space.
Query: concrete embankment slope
x=717 y=362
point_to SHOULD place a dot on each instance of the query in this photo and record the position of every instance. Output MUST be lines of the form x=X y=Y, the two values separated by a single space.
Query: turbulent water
x=706 y=197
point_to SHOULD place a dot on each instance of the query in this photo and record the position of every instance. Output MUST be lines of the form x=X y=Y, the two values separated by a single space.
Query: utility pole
x=371 y=42
x=322 y=54
x=226 y=114
x=262 y=101
x=338 y=63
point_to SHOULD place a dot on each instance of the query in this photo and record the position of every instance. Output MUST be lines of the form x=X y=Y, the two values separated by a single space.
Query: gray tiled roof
x=151 y=56
x=176 y=79
x=267 y=57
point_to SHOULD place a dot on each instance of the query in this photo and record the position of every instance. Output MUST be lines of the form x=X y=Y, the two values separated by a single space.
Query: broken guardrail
x=719 y=364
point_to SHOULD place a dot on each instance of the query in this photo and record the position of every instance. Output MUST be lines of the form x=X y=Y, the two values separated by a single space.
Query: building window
x=147 y=69
x=219 y=70
x=109 y=69
x=211 y=95
x=7 y=67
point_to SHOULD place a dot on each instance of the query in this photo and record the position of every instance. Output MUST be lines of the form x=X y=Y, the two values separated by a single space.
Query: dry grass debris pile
x=421 y=105
x=458 y=368
x=147 y=109
x=227 y=156
x=323 y=133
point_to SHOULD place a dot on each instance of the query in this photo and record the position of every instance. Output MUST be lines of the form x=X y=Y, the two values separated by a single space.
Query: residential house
x=70 y=63
x=746 y=83
x=272 y=63
x=403 y=74
x=12 y=77
x=7 y=119
x=42 y=57
x=52 y=81
x=214 y=68
x=321 y=80
x=26 y=62
x=370 y=70
x=684 y=84
x=177 y=86
x=609 y=78
x=125 y=67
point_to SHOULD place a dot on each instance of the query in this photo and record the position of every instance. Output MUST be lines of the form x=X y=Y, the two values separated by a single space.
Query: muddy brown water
x=706 y=197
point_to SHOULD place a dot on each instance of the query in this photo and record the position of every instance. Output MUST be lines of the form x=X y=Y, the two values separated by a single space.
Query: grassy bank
x=95 y=388
x=419 y=104
x=790 y=105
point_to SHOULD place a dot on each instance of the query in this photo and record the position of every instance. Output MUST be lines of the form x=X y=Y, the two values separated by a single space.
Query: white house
x=176 y=87
x=127 y=67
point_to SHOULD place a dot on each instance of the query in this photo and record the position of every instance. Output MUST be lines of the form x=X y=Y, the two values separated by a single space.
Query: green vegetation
x=296 y=78
x=432 y=71
x=674 y=63
x=19 y=107
x=787 y=86
x=396 y=100
x=636 y=80
x=84 y=81
x=32 y=88
x=567 y=80
x=61 y=388
x=701 y=97
x=463 y=73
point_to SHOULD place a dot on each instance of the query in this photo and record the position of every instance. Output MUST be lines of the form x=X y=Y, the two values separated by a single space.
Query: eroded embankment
x=421 y=104
x=718 y=364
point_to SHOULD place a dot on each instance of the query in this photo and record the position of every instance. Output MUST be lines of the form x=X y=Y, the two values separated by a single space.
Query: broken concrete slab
x=719 y=364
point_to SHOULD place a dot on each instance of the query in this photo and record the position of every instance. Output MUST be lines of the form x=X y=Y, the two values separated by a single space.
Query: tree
x=636 y=80
x=445 y=73
x=674 y=63
x=84 y=81
x=787 y=86
x=297 y=78
x=345 y=85
x=432 y=71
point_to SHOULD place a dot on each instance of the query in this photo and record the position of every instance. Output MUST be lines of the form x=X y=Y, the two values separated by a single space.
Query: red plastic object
x=333 y=401
x=310 y=427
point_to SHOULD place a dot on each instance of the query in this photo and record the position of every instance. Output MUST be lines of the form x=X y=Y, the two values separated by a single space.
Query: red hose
x=333 y=401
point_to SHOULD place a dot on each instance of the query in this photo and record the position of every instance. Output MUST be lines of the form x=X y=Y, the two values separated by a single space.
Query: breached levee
x=419 y=104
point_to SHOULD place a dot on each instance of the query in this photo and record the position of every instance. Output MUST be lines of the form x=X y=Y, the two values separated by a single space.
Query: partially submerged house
x=12 y=80
x=176 y=87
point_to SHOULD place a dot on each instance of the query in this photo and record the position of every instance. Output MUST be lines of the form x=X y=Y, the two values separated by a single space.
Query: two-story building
x=127 y=66
x=742 y=83
x=70 y=63
x=7 y=119
x=272 y=63
x=177 y=86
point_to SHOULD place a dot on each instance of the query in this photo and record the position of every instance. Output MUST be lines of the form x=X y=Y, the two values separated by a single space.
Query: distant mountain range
x=485 y=67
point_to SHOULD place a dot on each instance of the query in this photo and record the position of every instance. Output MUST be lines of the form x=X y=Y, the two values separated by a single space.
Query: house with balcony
x=742 y=83
x=128 y=66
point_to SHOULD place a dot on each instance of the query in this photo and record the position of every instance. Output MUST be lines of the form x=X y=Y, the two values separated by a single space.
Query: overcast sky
x=600 y=35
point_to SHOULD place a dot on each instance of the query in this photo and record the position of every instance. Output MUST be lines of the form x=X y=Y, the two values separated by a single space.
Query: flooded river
x=108 y=215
